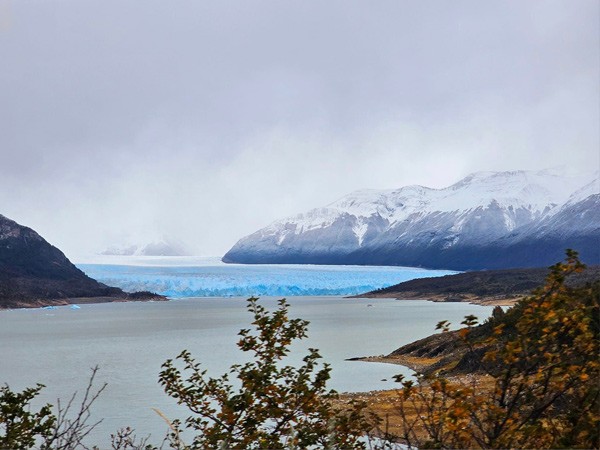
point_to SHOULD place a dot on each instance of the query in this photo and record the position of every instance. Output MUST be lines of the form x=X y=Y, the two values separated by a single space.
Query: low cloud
x=127 y=120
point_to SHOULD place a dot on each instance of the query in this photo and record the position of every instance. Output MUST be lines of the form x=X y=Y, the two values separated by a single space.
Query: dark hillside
x=484 y=284
x=34 y=273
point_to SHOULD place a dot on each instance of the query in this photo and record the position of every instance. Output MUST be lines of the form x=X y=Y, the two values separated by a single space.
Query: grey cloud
x=209 y=119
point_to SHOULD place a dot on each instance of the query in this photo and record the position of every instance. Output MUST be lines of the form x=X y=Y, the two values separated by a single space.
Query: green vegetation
x=275 y=406
x=20 y=426
x=57 y=427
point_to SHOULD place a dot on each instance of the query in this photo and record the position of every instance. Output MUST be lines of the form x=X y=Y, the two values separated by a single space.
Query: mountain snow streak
x=487 y=220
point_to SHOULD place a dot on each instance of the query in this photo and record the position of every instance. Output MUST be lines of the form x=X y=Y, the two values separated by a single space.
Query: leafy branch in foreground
x=19 y=427
x=275 y=405
x=63 y=430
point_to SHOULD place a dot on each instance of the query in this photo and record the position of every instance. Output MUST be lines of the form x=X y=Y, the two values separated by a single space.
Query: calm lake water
x=130 y=341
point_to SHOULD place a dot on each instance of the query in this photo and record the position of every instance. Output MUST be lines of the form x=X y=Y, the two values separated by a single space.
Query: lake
x=130 y=341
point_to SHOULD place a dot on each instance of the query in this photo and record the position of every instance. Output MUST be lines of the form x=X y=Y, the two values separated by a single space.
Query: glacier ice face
x=255 y=280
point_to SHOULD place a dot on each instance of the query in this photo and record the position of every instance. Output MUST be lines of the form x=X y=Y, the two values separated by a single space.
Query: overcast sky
x=123 y=120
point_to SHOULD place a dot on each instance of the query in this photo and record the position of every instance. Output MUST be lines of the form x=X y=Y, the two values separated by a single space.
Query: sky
x=122 y=121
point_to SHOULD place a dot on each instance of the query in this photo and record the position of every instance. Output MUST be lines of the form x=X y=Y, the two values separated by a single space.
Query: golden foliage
x=543 y=360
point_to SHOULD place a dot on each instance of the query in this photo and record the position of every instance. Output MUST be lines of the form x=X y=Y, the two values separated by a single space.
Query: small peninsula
x=498 y=287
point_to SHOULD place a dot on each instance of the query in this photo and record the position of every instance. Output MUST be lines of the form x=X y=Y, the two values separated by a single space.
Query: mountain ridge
x=475 y=223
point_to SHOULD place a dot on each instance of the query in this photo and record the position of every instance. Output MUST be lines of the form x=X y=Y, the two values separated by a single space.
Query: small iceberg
x=75 y=307
x=49 y=307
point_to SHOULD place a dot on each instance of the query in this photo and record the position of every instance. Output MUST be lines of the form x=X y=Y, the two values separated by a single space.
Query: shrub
x=19 y=427
x=542 y=368
x=58 y=428
x=274 y=406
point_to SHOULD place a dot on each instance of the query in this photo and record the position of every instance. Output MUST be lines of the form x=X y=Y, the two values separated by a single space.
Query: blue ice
x=254 y=280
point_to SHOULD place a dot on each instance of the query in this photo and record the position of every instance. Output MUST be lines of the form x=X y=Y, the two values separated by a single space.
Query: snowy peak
x=592 y=188
x=535 y=192
x=480 y=209
x=165 y=246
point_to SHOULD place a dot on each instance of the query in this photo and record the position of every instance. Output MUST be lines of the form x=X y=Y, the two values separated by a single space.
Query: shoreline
x=43 y=303
x=412 y=362
x=438 y=298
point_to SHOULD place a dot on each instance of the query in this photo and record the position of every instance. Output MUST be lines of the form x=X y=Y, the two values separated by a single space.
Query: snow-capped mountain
x=162 y=247
x=475 y=223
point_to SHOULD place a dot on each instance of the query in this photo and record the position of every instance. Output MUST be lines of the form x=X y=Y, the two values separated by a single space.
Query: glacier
x=239 y=280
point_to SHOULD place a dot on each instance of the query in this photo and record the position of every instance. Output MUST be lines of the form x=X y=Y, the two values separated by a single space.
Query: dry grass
x=415 y=363
x=387 y=404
